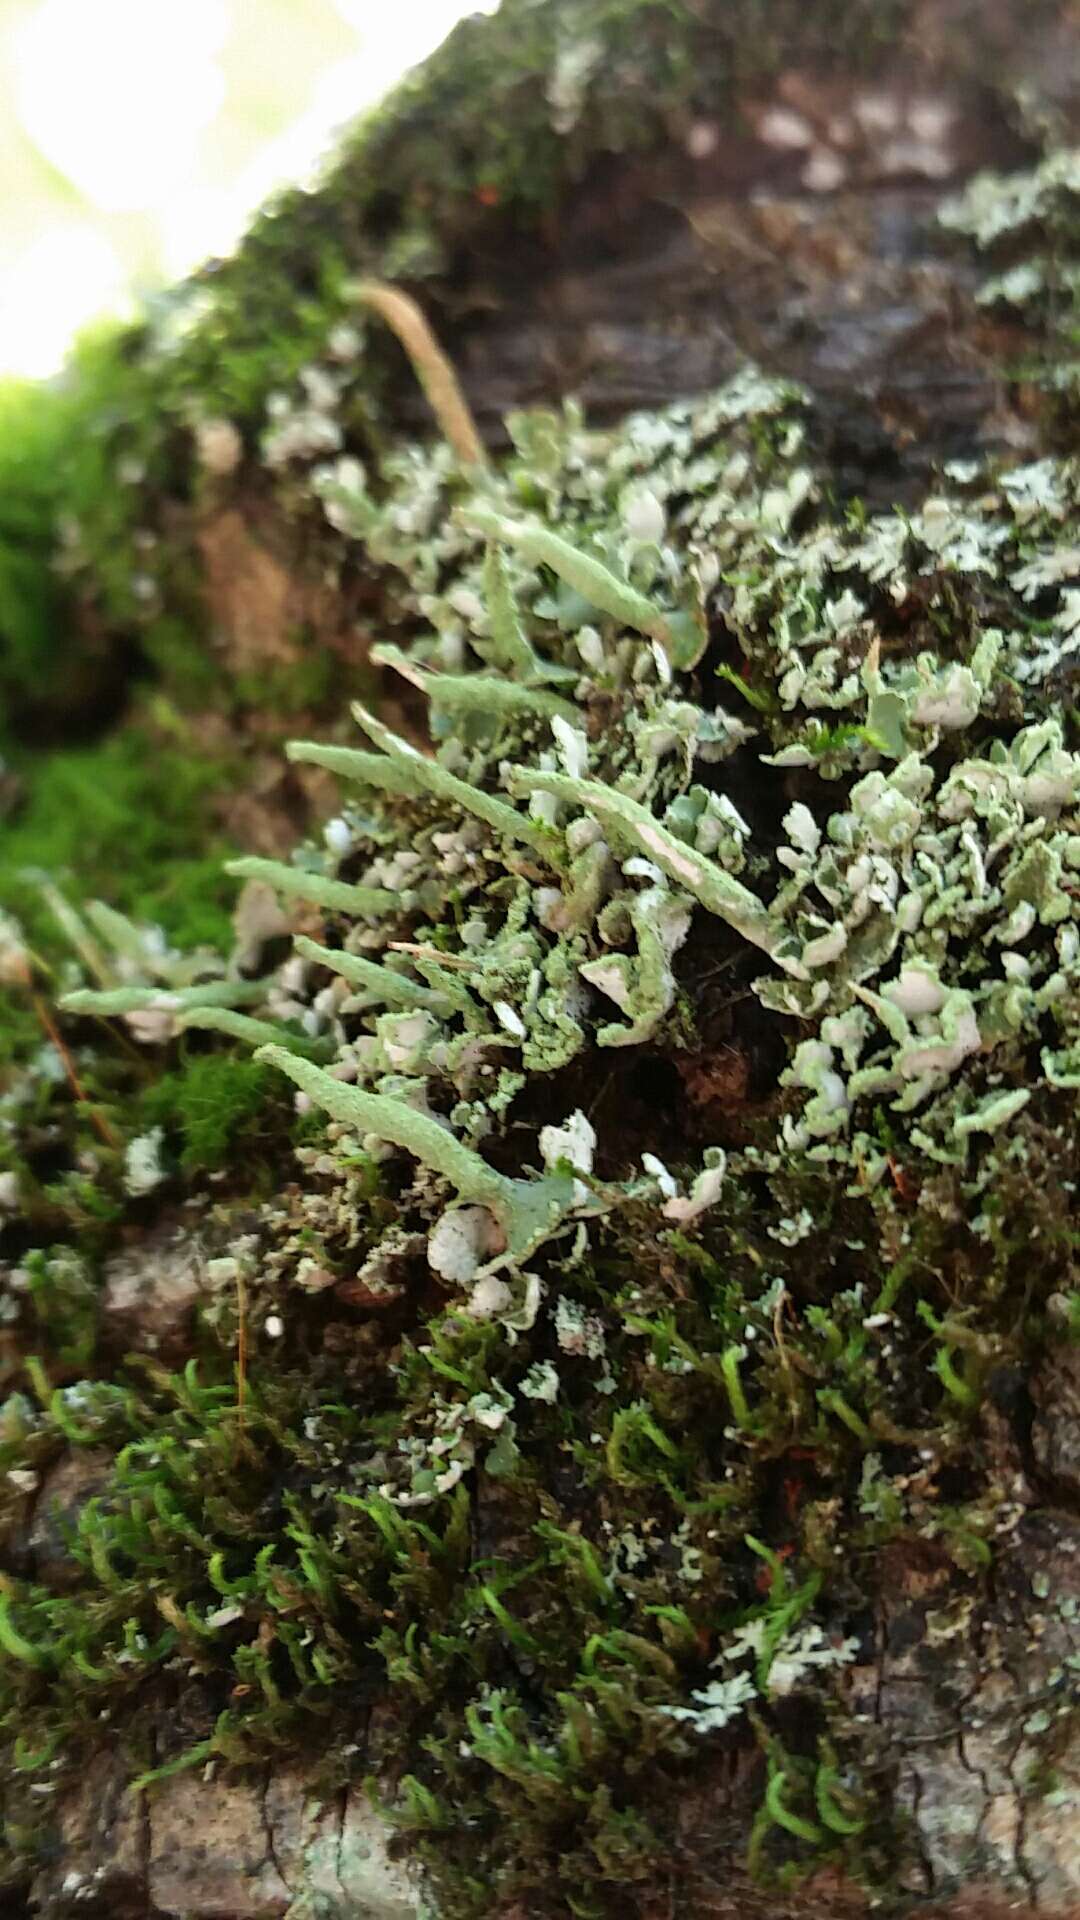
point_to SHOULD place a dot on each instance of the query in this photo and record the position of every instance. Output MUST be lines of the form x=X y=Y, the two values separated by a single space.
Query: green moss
x=33 y=431
x=215 y=1102
x=184 y=665
x=64 y=1306
x=118 y=820
x=68 y=522
x=124 y=820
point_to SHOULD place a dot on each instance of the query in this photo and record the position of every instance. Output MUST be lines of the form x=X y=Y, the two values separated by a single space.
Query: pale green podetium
x=392 y=989
x=339 y=895
x=212 y=993
x=240 y=1026
x=509 y=642
x=680 y=635
x=528 y=1211
x=400 y=769
x=628 y=823
x=468 y=692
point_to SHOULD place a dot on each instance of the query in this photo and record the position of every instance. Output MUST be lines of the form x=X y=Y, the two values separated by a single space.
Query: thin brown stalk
x=432 y=368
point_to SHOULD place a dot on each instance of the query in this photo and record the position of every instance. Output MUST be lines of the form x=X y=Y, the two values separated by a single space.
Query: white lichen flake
x=142 y=1165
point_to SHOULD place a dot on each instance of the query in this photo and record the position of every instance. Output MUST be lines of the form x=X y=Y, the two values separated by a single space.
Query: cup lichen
x=586 y=1472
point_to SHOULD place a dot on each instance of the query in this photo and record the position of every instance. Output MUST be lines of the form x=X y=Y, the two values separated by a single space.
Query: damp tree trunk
x=792 y=223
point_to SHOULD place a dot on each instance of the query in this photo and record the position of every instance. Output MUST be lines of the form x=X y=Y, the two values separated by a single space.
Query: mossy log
x=586 y=1421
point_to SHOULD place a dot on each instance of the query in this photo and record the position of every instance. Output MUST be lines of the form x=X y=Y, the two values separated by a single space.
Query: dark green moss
x=124 y=820
x=64 y=650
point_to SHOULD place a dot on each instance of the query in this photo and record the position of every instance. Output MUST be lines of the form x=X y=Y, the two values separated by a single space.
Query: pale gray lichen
x=720 y=1702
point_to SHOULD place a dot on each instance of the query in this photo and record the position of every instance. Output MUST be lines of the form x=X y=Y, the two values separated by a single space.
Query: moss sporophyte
x=677 y=781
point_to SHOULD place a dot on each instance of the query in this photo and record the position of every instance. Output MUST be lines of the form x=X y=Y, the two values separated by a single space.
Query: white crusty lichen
x=573 y=1145
x=705 y=1190
x=461 y=1244
x=719 y=1703
x=142 y=1163
x=642 y=985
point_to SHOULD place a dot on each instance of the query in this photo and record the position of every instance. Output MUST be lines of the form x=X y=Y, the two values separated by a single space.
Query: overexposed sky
x=139 y=136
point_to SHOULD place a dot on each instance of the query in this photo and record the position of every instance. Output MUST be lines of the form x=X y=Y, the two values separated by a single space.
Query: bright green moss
x=292 y=687
x=119 y=820
x=67 y=512
x=215 y=1102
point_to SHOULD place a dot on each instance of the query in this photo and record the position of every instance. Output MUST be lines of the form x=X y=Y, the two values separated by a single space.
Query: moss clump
x=117 y=819
x=32 y=434
x=78 y=459
x=131 y=818
x=215 y=1103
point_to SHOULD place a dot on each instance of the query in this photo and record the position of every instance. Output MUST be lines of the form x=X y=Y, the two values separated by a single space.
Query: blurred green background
x=138 y=137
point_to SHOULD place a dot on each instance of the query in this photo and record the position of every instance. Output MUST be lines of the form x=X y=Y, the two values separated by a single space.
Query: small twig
x=431 y=953
x=778 y=1329
x=598 y=1097
x=784 y=1305
x=431 y=366
x=241 y=1349
x=49 y=1025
